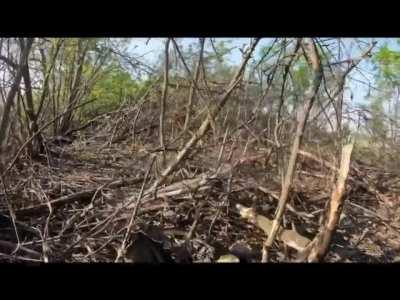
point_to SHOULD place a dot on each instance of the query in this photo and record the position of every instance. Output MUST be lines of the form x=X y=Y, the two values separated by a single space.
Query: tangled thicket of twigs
x=199 y=180
x=76 y=205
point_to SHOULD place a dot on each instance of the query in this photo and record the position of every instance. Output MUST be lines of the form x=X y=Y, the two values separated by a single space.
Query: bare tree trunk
x=314 y=59
x=192 y=86
x=319 y=247
x=36 y=146
x=5 y=122
x=164 y=97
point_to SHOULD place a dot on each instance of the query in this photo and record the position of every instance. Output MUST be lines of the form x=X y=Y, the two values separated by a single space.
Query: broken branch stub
x=319 y=247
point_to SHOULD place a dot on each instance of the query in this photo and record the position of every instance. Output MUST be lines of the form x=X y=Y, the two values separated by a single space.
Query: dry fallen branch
x=70 y=209
x=290 y=237
x=199 y=183
x=79 y=196
x=318 y=159
x=121 y=250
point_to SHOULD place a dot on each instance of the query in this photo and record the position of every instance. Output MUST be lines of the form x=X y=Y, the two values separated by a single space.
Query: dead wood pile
x=76 y=207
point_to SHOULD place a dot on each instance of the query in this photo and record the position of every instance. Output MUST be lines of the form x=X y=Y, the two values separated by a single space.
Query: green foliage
x=113 y=83
x=388 y=64
x=301 y=75
x=111 y=89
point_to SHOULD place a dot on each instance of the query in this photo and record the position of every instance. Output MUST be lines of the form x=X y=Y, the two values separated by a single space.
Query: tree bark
x=319 y=247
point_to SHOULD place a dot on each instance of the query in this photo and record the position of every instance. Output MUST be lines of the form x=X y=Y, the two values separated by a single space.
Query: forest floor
x=70 y=206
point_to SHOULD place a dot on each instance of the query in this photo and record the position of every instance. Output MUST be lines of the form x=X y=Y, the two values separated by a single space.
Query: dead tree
x=312 y=55
x=319 y=247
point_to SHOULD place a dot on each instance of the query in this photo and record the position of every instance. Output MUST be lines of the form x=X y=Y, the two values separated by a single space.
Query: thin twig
x=121 y=250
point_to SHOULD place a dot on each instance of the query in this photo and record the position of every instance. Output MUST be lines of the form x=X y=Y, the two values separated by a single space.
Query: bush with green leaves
x=115 y=87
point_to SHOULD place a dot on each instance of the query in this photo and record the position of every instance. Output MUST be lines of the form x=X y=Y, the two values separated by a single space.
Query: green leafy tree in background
x=387 y=65
x=115 y=84
x=112 y=88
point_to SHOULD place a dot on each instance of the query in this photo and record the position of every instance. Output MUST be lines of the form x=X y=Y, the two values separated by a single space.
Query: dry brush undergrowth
x=74 y=205
x=198 y=167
